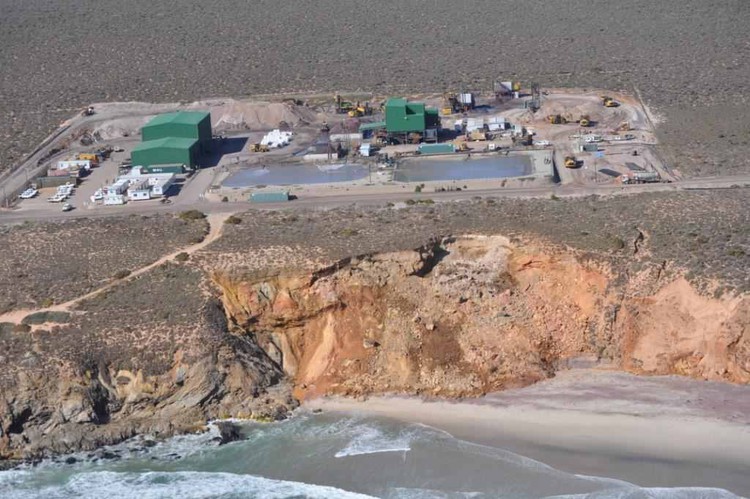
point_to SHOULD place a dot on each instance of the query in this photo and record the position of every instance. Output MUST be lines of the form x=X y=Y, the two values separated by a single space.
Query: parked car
x=67 y=207
x=29 y=193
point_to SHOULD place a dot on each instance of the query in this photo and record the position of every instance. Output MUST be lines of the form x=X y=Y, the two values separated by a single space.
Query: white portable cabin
x=365 y=150
x=474 y=124
x=74 y=164
x=160 y=184
x=119 y=187
x=139 y=194
x=114 y=199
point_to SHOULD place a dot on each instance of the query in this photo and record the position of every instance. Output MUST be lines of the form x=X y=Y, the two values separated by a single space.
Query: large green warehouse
x=166 y=151
x=185 y=124
x=402 y=116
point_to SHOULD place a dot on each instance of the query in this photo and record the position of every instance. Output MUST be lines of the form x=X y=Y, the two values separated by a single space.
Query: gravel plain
x=688 y=58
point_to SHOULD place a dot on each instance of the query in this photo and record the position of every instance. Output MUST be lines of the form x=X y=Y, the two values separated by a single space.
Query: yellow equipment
x=342 y=106
x=556 y=119
x=446 y=111
x=478 y=135
x=571 y=162
x=258 y=148
x=609 y=101
x=584 y=120
x=360 y=110
x=462 y=147
x=90 y=156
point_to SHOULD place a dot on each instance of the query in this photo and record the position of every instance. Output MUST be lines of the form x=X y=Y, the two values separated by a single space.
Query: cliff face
x=475 y=314
x=458 y=317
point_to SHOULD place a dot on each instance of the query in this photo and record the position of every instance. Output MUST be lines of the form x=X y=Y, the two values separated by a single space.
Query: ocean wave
x=636 y=492
x=181 y=484
x=370 y=439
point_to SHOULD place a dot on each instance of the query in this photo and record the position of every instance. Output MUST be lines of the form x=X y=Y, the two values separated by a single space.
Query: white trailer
x=114 y=199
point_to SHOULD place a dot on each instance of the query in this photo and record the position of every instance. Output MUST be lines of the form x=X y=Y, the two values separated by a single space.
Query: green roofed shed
x=167 y=151
x=183 y=124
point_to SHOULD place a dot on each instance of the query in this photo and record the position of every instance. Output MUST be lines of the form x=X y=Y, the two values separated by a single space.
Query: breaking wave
x=179 y=484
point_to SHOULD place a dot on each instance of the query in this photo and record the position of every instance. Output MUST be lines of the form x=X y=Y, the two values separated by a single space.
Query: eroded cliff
x=470 y=315
x=457 y=317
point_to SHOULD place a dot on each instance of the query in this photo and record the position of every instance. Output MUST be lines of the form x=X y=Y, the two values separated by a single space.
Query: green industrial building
x=194 y=125
x=402 y=116
x=167 y=151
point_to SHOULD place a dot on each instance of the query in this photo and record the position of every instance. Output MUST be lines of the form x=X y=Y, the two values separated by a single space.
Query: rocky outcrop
x=85 y=406
x=466 y=316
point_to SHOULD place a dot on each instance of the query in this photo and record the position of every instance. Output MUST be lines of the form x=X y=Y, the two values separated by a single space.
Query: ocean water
x=318 y=456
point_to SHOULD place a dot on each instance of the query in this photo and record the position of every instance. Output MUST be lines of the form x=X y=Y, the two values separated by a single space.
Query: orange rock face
x=478 y=314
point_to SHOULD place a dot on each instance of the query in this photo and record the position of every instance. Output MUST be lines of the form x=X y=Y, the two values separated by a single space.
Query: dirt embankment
x=471 y=315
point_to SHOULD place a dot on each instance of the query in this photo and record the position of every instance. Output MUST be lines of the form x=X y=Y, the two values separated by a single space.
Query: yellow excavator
x=259 y=148
x=608 y=101
x=585 y=120
x=557 y=119
x=571 y=162
x=360 y=110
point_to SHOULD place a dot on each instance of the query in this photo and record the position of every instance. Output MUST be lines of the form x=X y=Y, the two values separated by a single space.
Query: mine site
x=311 y=147
x=358 y=250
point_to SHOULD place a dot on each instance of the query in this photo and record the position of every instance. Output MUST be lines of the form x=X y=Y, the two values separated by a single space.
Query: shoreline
x=650 y=445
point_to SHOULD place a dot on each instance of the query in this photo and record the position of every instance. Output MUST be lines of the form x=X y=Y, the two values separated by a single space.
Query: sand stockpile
x=233 y=115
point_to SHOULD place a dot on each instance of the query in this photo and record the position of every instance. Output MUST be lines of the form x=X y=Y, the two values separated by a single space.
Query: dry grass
x=688 y=57
x=47 y=263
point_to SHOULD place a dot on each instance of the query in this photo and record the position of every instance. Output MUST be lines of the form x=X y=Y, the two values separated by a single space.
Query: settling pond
x=410 y=170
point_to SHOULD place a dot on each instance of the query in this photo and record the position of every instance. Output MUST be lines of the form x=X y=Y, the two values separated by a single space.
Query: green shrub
x=192 y=215
x=121 y=274
x=42 y=317
x=182 y=257
x=232 y=220
x=21 y=328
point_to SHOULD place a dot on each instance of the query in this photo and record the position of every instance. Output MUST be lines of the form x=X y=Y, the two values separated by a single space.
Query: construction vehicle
x=556 y=119
x=360 y=110
x=89 y=111
x=458 y=103
x=477 y=135
x=522 y=140
x=342 y=106
x=88 y=156
x=571 y=162
x=259 y=147
x=584 y=120
x=608 y=101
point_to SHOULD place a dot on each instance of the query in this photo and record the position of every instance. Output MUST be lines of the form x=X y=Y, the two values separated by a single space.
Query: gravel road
x=688 y=58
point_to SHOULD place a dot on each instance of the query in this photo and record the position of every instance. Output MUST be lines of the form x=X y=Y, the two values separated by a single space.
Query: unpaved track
x=216 y=228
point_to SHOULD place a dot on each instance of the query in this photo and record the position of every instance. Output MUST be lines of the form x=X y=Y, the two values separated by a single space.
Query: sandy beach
x=651 y=431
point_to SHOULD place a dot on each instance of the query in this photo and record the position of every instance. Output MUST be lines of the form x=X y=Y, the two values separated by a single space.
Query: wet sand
x=654 y=432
